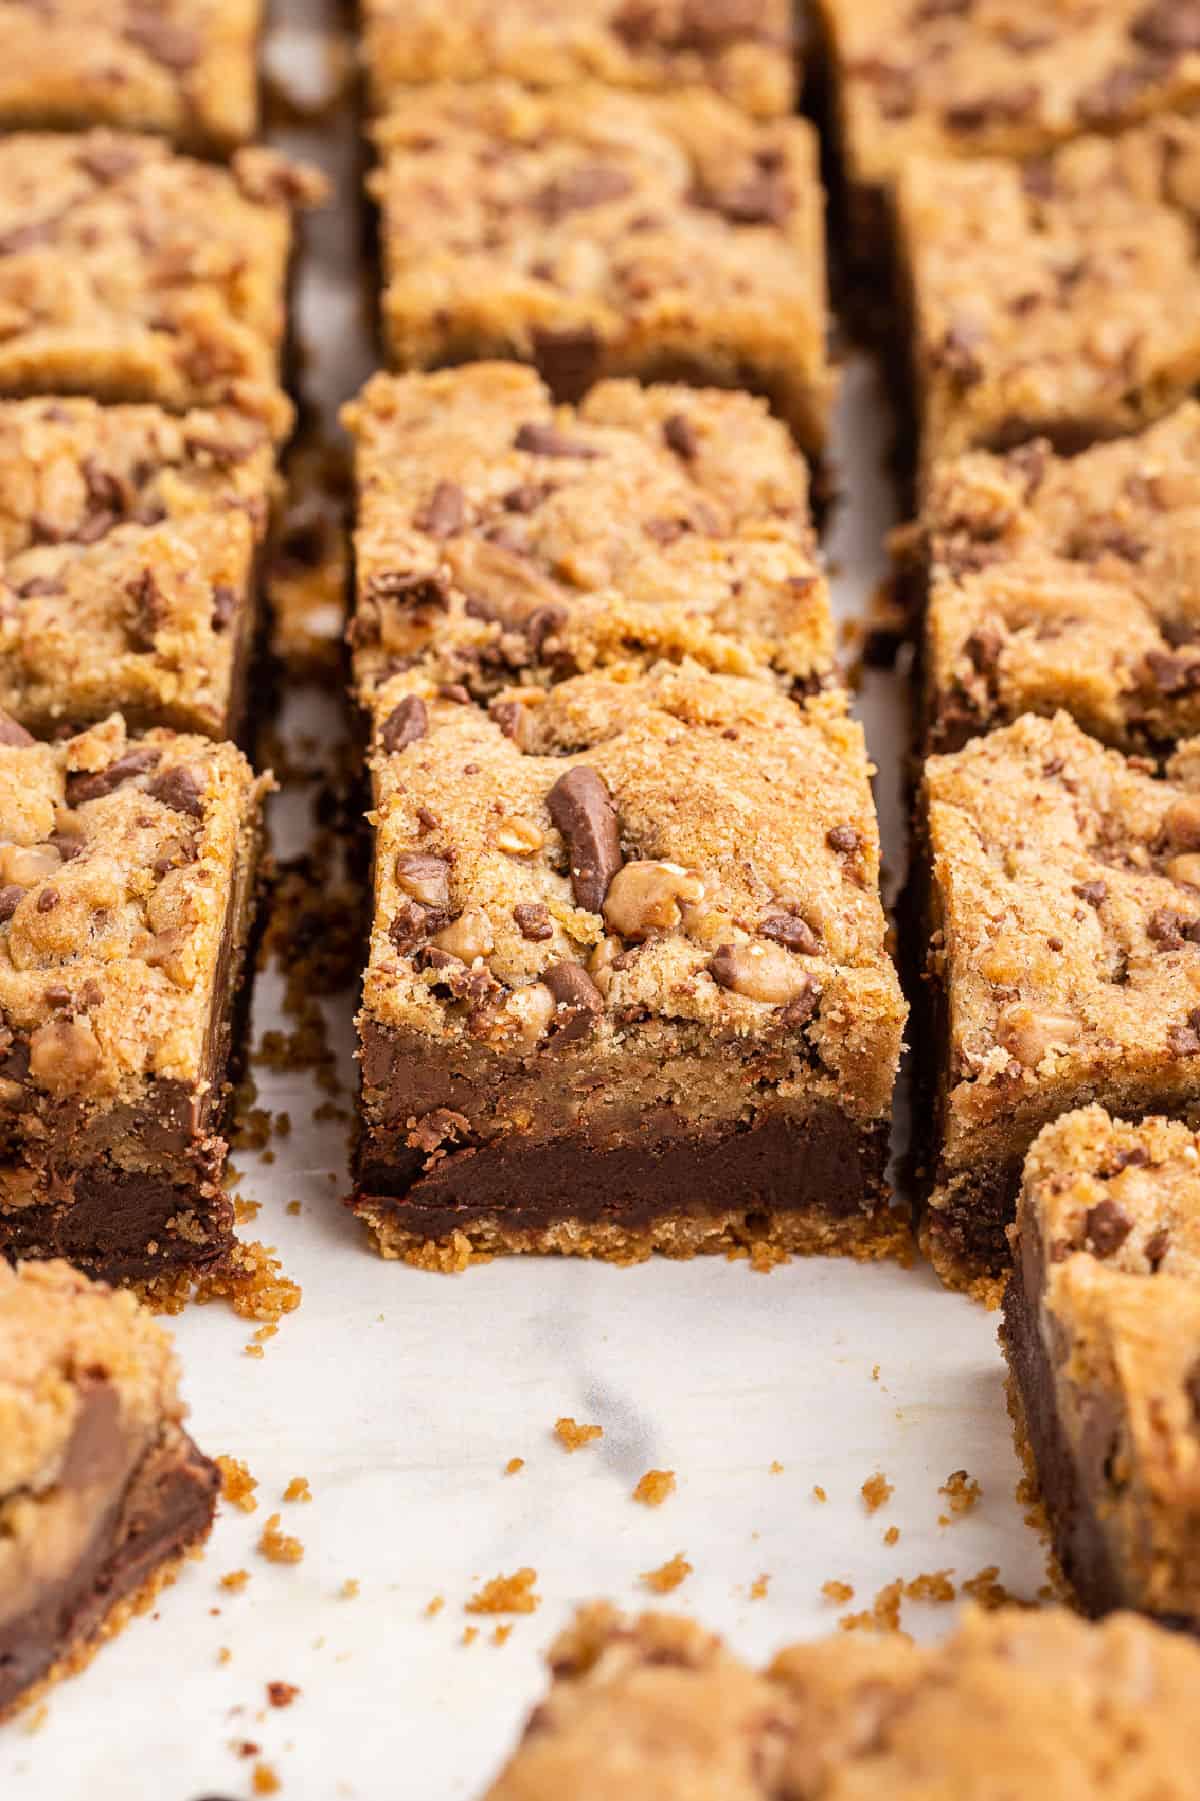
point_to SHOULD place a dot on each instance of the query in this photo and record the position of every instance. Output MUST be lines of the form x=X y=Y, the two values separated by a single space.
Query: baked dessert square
x=1049 y=582
x=598 y=233
x=1010 y=78
x=1052 y=299
x=628 y=987
x=183 y=68
x=130 y=542
x=1102 y=1335
x=128 y=872
x=1060 y=904
x=131 y=273
x=502 y=539
x=1013 y=1702
x=102 y=1492
x=744 y=49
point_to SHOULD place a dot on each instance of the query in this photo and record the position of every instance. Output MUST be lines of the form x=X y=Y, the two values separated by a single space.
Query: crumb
x=470 y=1634
x=501 y=1635
x=36 y=1718
x=819 y=1493
x=276 y=1546
x=513 y=1465
x=235 y=1581
x=775 y=1468
x=250 y=1281
x=654 y=1487
x=350 y=1588
x=507 y=1594
x=876 y=1492
x=266 y=1782
x=237 y=1484
x=884 y=1615
x=758 y=1588
x=246 y=1747
x=298 y=1489
x=281 y=1694
x=224 y=1655
x=294 y=1207
x=930 y=1585
x=875 y=1373
x=572 y=1436
x=961 y=1492
x=892 y=1536
x=764 y=1257
x=838 y=1592
x=245 y=1211
x=984 y=1589
x=669 y=1575
x=252 y=1350
x=434 y=1607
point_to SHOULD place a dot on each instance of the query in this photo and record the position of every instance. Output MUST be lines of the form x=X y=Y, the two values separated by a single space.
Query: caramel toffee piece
x=1012 y=1703
x=1055 y=299
x=628 y=987
x=743 y=48
x=1009 y=78
x=130 y=273
x=185 y=68
x=127 y=873
x=1102 y=1333
x=598 y=233
x=1062 y=916
x=1053 y=582
x=129 y=545
x=101 y=1489
x=501 y=539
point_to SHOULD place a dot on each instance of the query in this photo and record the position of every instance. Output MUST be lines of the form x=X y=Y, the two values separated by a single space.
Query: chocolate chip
x=1107 y=1226
x=579 y=1000
x=12 y=733
x=581 y=807
x=425 y=879
x=66 y=844
x=533 y=920
x=587 y=185
x=680 y=436
x=997 y=108
x=39 y=585
x=1169 y=25
x=149 y=609
x=93 y=784
x=106 y=161
x=526 y=497
x=845 y=839
x=47 y=900
x=1156 y=1247
x=1172 y=674
x=511 y=717
x=1094 y=893
x=1170 y=930
x=10 y=899
x=224 y=606
x=1110 y=100
x=406 y=722
x=541 y=624
x=567 y=358
x=955 y=353
x=410 y=923
x=795 y=934
x=181 y=789
x=543 y=439
x=444 y=513
x=764 y=198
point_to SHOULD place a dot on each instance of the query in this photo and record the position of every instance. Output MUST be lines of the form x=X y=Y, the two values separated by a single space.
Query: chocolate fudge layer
x=1009 y=78
x=628 y=988
x=101 y=1489
x=1102 y=1334
x=1062 y=918
x=127 y=876
x=501 y=539
x=742 y=48
x=129 y=551
x=129 y=273
x=185 y=68
x=1012 y=1703
x=1055 y=300
x=1050 y=582
x=595 y=233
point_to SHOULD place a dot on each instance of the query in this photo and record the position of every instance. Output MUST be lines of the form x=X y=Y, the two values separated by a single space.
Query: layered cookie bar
x=1048 y=582
x=1061 y=910
x=1102 y=1335
x=1007 y=78
x=593 y=232
x=130 y=273
x=185 y=68
x=129 y=552
x=127 y=876
x=1013 y=1702
x=628 y=987
x=1053 y=299
x=742 y=48
x=102 y=1492
x=502 y=539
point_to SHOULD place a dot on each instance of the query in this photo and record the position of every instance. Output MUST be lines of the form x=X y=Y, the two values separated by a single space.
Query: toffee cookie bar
x=183 y=68
x=1061 y=910
x=102 y=1492
x=130 y=273
x=1102 y=1334
x=130 y=541
x=742 y=48
x=1050 y=582
x=598 y=233
x=501 y=539
x=628 y=987
x=127 y=879
x=1052 y=300
x=1013 y=1702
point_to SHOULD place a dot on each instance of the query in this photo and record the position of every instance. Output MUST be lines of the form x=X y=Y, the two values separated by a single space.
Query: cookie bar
x=102 y=1492
x=501 y=539
x=1102 y=1335
x=1013 y=1702
x=593 y=232
x=1053 y=300
x=742 y=48
x=184 y=68
x=1050 y=582
x=1010 y=78
x=129 y=550
x=627 y=989
x=1062 y=916
x=129 y=273
x=128 y=876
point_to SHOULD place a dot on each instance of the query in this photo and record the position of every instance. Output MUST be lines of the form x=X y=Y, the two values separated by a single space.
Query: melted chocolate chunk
x=581 y=807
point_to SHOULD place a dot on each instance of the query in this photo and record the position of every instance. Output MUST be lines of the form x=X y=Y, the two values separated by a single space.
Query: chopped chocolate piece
x=581 y=807
x=406 y=722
